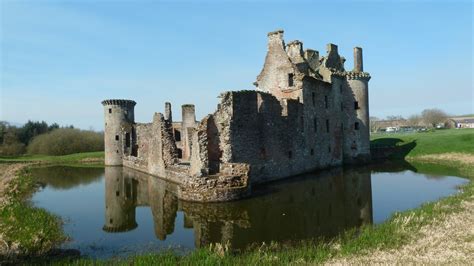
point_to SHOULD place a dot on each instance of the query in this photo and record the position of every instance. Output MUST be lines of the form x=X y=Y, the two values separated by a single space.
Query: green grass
x=32 y=231
x=76 y=158
x=423 y=143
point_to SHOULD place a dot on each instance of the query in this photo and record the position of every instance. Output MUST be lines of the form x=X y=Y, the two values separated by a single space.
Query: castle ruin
x=307 y=113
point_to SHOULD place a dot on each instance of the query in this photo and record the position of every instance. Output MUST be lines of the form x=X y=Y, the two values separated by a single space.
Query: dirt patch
x=463 y=158
x=92 y=160
x=7 y=175
x=449 y=241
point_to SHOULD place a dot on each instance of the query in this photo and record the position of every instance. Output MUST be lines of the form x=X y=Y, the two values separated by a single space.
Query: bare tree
x=434 y=116
x=395 y=117
x=414 y=120
x=373 y=123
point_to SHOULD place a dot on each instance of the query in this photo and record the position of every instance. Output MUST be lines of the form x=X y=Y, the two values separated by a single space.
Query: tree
x=32 y=129
x=395 y=117
x=414 y=120
x=373 y=123
x=434 y=116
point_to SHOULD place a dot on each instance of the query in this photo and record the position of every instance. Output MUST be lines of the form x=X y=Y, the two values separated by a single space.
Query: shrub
x=12 y=149
x=64 y=141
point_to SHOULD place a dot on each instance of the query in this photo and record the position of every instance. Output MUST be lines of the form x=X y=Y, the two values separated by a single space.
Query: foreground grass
x=26 y=231
x=77 y=158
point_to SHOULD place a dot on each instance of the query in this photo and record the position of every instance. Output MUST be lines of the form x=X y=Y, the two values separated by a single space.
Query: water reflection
x=62 y=178
x=301 y=208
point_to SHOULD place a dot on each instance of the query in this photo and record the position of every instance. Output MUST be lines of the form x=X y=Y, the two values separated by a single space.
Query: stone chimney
x=312 y=57
x=275 y=38
x=294 y=50
x=168 y=115
x=358 y=64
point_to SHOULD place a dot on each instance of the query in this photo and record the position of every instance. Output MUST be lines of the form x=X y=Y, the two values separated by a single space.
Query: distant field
x=424 y=143
x=85 y=157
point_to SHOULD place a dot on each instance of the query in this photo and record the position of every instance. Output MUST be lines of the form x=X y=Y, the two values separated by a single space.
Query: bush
x=12 y=149
x=64 y=141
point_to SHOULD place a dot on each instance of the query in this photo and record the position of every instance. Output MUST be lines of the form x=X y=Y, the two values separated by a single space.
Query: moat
x=118 y=212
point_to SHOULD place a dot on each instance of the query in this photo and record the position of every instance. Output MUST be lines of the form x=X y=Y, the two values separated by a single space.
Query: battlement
x=121 y=102
x=357 y=75
x=276 y=32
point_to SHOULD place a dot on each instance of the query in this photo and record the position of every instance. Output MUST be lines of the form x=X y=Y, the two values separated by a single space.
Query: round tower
x=357 y=142
x=119 y=118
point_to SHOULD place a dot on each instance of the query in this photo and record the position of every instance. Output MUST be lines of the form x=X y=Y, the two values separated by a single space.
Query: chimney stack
x=358 y=65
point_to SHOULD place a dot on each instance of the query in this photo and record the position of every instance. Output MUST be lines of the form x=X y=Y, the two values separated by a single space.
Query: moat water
x=115 y=211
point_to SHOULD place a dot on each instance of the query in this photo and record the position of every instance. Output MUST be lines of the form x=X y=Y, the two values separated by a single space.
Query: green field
x=95 y=157
x=423 y=143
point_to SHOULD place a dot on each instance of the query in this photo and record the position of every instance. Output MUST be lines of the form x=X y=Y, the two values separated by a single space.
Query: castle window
x=329 y=148
x=313 y=97
x=110 y=110
x=342 y=106
x=127 y=140
x=312 y=151
x=290 y=79
x=356 y=105
x=356 y=126
x=326 y=104
x=315 y=124
x=177 y=135
x=180 y=153
x=290 y=154
x=327 y=125
x=117 y=137
x=263 y=153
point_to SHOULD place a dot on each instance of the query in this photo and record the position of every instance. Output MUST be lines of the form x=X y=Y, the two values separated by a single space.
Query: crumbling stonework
x=307 y=113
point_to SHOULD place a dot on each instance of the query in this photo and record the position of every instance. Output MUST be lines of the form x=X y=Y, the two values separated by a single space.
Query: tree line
x=429 y=118
x=37 y=137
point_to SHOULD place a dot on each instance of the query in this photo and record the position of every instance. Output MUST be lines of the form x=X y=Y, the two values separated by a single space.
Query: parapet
x=121 y=102
x=357 y=75
x=276 y=32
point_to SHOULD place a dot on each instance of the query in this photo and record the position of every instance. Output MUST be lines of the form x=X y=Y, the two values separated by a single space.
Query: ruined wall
x=156 y=149
x=278 y=70
x=277 y=138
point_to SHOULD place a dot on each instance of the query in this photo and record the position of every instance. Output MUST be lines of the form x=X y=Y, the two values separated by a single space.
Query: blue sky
x=60 y=59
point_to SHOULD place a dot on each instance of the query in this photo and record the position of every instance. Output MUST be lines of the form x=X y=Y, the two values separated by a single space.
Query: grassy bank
x=28 y=232
x=25 y=231
x=96 y=158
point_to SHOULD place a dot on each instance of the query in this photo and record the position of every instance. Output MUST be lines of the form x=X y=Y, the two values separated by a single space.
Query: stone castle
x=307 y=113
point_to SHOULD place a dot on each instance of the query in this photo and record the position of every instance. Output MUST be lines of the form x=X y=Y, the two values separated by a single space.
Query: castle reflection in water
x=308 y=207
